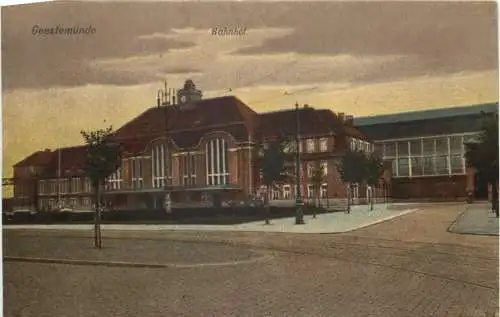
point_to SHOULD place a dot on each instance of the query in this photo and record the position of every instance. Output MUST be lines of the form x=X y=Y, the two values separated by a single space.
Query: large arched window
x=160 y=165
x=217 y=162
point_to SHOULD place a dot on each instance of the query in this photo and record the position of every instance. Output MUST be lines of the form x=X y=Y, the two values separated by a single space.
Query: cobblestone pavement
x=409 y=266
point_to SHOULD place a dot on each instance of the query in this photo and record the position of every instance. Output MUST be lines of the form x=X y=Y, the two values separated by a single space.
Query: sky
x=361 y=58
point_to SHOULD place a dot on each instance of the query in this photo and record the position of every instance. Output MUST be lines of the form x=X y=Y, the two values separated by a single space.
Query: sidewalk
x=359 y=217
x=476 y=219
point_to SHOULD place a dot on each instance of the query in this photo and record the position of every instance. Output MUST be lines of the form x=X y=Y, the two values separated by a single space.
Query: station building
x=198 y=150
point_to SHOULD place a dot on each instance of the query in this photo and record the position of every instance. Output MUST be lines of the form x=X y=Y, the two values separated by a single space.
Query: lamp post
x=162 y=100
x=299 y=216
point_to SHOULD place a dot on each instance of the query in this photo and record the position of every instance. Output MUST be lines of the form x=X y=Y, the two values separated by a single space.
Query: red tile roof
x=72 y=160
x=283 y=123
x=312 y=122
x=204 y=113
x=39 y=158
x=187 y=125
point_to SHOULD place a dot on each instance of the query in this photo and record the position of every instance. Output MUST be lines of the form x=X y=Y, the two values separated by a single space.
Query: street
x=407 y=266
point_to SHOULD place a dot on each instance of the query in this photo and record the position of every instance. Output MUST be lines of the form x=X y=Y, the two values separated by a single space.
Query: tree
x=352 y=171
x=317 y=179
x=103 y=158
x=374 y=171
x=271 y=163
x=483 y=155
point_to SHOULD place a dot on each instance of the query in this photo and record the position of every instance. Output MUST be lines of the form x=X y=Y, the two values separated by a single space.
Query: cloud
x=438 y=38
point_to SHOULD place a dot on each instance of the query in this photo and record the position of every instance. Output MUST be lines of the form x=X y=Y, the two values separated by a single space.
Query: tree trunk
x=317 y=203
x=494 y=197
x=97 y=218
x=267 y=207
x=370 y=193
x=348 y=198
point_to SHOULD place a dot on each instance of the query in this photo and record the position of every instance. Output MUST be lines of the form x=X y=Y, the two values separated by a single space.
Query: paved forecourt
x=408 y=266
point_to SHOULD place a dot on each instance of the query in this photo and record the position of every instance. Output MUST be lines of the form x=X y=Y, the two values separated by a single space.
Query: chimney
x=341 y=116
x=349 y=120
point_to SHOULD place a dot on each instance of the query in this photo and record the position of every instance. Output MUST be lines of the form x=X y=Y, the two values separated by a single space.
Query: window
x=217 y=162
x=310 y=191
x=86 y=202
x=41 y=187
x=275 y=194
x=286 y=192
x=415 y=148
x=403 y=167
x=429 y=165
x=53 y=187
x=403 y=149
x=379 y=148
x=456 y=144
x=137 y=180
x=428 y=146
x=390 y=149
x=324 y=165
x=87 y=185
x=323 y=144
x=417 y=166
x=75 y=185
x=433 y=156
x=355 y=190
x=311 y=144
x=188 y=165
x=442 y=145
x=64 y=186
x=73 y=203
x=353 y=145
x=394 y=167
x=115 y=180
x=324 y=191
x=301 y=146
x=456 y=162
x=161 y=161
x=310 y=169
x=442 y=164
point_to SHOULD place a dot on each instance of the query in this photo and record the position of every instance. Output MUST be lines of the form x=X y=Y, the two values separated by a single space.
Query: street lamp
x=162 y=100
x=299 y=216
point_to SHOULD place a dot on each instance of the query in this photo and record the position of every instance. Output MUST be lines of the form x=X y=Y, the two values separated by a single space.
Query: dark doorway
x=481 y=190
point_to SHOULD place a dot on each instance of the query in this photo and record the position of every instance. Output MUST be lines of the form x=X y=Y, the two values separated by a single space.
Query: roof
x=72 y=159
x=427 y=114
x=200 y=114
x=312 y=122
x=430 y=127
x=39 y=158
x=186 y=125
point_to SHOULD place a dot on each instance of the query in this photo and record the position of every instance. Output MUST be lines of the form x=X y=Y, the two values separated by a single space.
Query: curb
x=177 y=228
x=130 y=264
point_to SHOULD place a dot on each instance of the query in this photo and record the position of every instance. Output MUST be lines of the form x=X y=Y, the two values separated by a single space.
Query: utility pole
x=299 y=216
